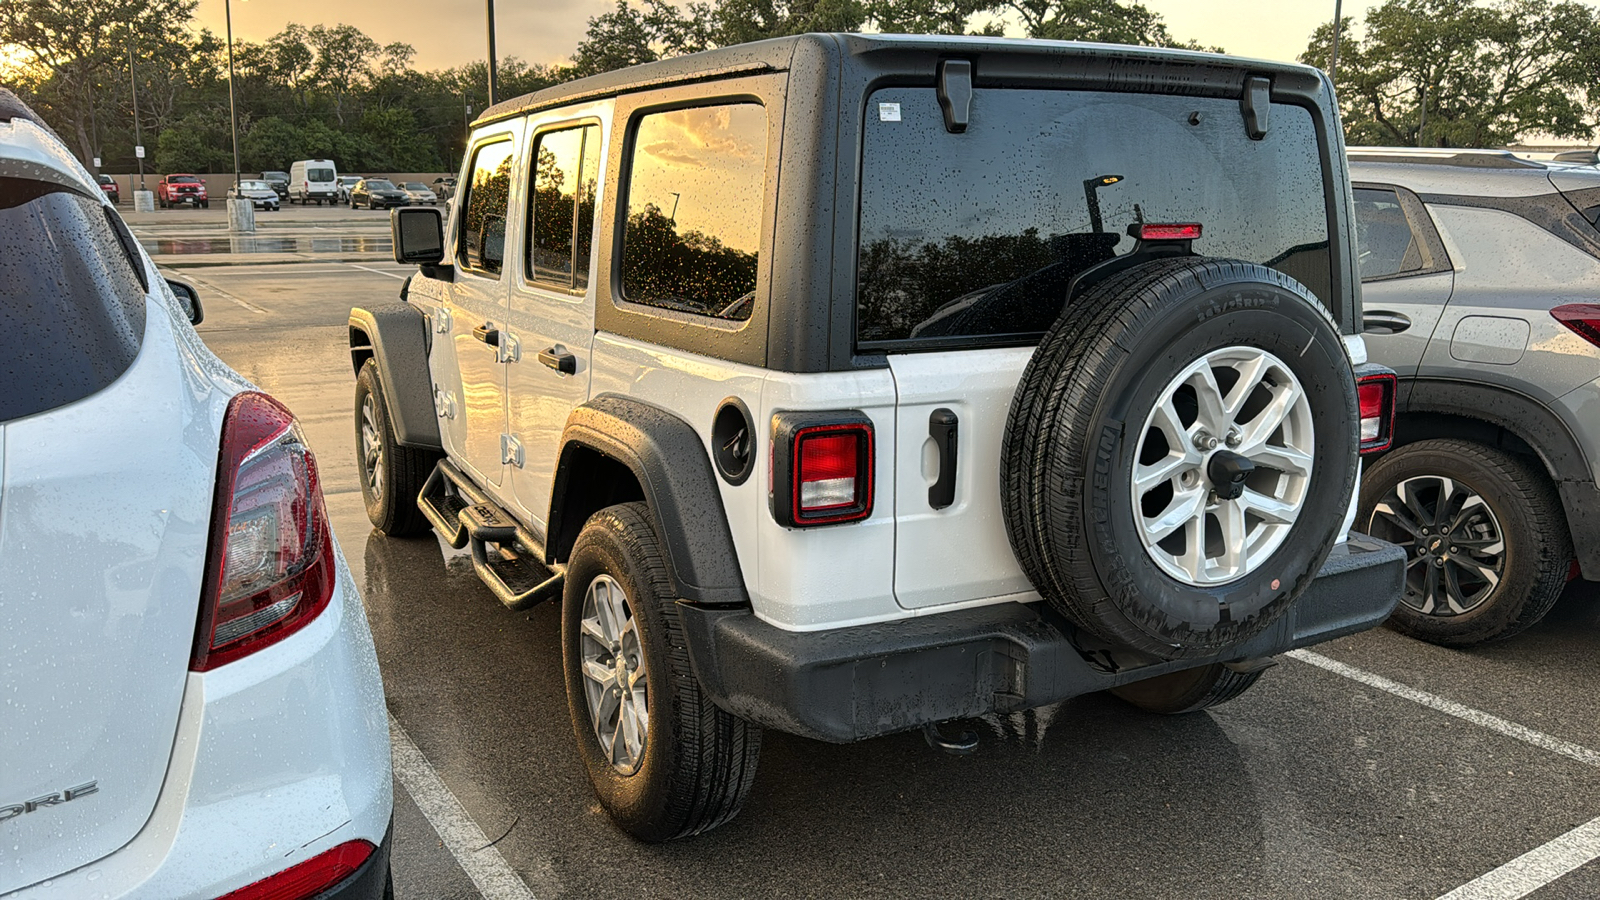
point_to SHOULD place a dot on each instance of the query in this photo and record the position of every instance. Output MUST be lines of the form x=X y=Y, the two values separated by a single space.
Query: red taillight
x=310 y=878
x=1583 y=318
x=1375 y=397
x=822 y=468
x=269 y=570
x=1187 y=231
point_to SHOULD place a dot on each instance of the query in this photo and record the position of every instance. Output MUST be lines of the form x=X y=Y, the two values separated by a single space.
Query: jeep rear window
x=696 y=185
x=71 y=306
x=974 y=237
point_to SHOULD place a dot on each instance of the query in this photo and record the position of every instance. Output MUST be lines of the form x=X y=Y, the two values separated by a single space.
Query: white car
x=192 y=705
x=419 y=193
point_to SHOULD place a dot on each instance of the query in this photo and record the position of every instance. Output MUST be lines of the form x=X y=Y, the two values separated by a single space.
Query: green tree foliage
x=1108 y=21
x=689 y=271
x=1454 y=73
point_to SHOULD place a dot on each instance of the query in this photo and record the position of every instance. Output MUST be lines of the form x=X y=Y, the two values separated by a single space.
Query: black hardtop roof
x=774 y=55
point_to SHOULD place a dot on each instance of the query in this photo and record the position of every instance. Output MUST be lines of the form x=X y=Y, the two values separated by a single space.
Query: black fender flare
x=395 y=336
x=1540 y=428
x=673 y=471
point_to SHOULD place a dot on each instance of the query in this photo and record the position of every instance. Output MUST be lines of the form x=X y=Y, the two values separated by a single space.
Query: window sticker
x=888 y=112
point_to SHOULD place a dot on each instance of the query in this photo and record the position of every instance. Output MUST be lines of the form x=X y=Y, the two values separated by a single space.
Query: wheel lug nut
x=1424 y=531
x=1452 y=549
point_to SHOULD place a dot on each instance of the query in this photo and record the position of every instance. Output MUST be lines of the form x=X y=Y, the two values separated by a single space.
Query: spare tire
x=1180 y=453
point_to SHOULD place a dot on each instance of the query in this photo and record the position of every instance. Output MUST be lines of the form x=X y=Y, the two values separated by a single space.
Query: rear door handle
x=1380 y=321
x=560 y=360
x=488 y=334
x=942 y=428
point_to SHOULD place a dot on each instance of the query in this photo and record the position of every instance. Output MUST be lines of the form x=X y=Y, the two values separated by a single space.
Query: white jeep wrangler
x=845 y=385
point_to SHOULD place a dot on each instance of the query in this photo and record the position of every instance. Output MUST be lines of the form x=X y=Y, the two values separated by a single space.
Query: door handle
x=560 y=360
x=488 y=334
x=1380 y=321
x=942 y=428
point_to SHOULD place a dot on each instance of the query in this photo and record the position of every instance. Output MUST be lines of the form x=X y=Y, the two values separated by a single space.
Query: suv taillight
x=821 y=468
x=1582 y=318
x=1375 y=396
x=269 y=570
x=310 y=878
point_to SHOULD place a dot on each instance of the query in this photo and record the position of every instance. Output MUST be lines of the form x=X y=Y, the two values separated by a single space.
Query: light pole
x=494 y=77
x=133 y=85
x=233 y=112
x=1333 y=56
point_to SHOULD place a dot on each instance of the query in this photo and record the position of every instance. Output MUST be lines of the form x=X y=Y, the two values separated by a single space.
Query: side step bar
x=514 y=569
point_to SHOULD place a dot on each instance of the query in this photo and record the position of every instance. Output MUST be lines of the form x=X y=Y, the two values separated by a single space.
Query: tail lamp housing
x=822 y=468
x=1375 y=398
x=309 y=878
x=269 y=568
x=1582 y=318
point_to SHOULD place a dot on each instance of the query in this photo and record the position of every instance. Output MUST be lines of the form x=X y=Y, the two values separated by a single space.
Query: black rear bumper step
x=848 y=684
x=514 y=569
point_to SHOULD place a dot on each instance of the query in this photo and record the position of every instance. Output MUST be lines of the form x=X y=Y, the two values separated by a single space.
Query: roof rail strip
x=1443 y=156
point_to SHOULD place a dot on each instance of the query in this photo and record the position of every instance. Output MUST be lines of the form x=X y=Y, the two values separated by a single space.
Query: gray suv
x=1479 y=274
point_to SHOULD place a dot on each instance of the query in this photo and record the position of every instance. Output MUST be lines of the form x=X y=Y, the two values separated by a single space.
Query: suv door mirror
x=418 y=233
x=188 y=301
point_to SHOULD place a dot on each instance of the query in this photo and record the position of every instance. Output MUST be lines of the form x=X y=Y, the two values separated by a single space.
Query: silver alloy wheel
x=1242 y=401
x=615 y=679
x=1456 y=552
x=371 y=447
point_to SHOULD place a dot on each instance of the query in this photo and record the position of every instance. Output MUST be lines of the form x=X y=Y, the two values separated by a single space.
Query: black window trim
x=868 y=353
x=508 y=136
x=1422 y=230
x=528 y=280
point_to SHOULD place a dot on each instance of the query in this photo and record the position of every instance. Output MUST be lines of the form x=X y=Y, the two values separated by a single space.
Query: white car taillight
x=269 y=569
x=1375 y=396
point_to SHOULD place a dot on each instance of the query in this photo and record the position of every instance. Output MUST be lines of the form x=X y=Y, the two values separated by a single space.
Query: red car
x=109 y=185
x=180 y=190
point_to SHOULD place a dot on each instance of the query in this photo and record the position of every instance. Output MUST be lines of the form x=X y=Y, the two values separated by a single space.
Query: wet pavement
x=1310 y=785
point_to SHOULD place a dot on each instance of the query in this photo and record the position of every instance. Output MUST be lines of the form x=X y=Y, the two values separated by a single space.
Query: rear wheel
x=391 y=475
x=665 y=761
x=1188 y=691
x=1486 y=541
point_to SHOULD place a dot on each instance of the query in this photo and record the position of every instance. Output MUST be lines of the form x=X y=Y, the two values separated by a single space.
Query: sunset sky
x=450 y=32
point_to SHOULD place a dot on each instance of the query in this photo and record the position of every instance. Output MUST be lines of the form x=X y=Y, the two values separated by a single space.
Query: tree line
x=1414 y=72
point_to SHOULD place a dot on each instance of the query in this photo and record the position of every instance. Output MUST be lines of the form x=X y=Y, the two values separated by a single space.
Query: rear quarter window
x=72 y=310
x=975 y=237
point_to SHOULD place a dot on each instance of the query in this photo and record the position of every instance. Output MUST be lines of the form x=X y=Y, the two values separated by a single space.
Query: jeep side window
x=976 y=237
x=1384 y=238
x=696 y=184
x=566 y=173
x=483 y=221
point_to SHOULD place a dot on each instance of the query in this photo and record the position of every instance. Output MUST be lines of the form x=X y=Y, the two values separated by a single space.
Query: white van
x=314 y=179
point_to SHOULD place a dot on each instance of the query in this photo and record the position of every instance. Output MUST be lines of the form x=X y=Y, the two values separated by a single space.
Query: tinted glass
x=183 y=179
x=376 y=184
x=415 y=186
x=483 y=221
x=566 y=173
x=71 y=307
x=319 y=174
x=253 y=186
x=977 y=235
x=105 y=179
x=695 y=187
x=1383 y=236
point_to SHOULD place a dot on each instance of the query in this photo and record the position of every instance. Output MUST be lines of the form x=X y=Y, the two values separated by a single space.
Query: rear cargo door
x=108 y=450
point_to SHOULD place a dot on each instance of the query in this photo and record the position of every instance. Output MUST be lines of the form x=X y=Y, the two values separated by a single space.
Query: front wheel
x=1486 y=541
x=665 y=761
x=391 y=475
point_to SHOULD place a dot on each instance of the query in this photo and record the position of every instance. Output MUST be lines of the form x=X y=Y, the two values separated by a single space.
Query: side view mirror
x=188 y=300
x=418 y=233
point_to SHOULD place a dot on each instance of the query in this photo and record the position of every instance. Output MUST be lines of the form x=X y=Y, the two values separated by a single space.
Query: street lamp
x=1333 y=55
x=233 y=112
x=494 y=77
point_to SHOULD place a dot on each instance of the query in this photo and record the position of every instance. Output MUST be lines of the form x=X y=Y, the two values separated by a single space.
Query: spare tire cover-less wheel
x=1180 y=453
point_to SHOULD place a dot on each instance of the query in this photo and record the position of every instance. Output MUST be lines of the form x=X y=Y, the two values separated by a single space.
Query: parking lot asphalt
x=1375 y=767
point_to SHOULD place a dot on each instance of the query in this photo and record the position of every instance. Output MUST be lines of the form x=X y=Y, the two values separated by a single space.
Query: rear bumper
x=854 y=683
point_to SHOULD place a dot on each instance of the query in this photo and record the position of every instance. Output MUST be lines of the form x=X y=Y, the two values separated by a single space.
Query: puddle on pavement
x=255 y=244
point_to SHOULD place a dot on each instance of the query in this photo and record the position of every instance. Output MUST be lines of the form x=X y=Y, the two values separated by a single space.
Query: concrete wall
x=217 y=184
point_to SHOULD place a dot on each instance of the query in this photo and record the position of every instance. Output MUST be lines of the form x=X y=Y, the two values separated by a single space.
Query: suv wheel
x=665 y=761
x=1190 y=690
x=1172 y=450
x=1487 y=544
x=391 y=475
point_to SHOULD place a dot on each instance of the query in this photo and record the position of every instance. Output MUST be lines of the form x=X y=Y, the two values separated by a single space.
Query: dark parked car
x=279 y=182
x=109 y=185
x=377 y=193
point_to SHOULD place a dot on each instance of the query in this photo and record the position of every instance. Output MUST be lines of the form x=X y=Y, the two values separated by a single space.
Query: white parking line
x=190 y=276
x=375 y=271
x=490 y=873
x=1539 y=866
x=1536 y=868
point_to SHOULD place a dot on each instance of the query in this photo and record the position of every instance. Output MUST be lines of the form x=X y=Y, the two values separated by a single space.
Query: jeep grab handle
x=942 y=428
